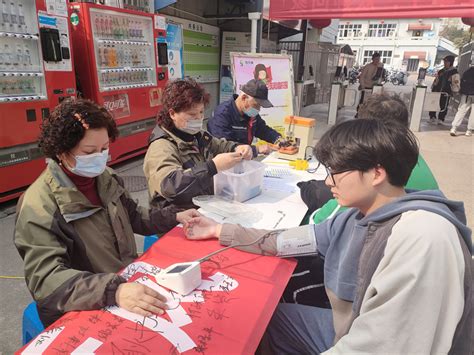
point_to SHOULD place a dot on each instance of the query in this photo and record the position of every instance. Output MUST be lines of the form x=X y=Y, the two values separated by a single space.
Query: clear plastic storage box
x=240 y=183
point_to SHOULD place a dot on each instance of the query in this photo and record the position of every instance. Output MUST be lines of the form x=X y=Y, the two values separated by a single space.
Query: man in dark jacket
x=238 y=120
x=465 y=104
x=442 y=83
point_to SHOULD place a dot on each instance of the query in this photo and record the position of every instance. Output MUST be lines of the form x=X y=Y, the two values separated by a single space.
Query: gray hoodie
x=340 y=239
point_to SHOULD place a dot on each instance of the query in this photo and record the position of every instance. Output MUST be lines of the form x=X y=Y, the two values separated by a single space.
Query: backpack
x=455 y=83
x=467 y=82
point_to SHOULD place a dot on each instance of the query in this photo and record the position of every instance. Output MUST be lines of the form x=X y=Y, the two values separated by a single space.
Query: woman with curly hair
x=182 y=158
x=75 y=224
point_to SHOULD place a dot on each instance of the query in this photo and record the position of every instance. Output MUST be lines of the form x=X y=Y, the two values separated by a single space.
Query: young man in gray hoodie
x=397 y=266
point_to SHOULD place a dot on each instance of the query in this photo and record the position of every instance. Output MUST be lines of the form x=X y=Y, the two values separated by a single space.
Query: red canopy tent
x=353 y=9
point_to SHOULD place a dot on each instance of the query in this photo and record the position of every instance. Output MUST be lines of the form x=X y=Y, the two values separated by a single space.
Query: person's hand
x=226 y=161
x=266 y=148
x=200 y=228
x=184 y=216
x=246 y=150
x=140 y=299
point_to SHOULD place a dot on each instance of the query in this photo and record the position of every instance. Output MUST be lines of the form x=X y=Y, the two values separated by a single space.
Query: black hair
x=376 y=55
x=67 y=125
x=384 y=107
x=258 y=69
x=365 y=144
x=450 y=59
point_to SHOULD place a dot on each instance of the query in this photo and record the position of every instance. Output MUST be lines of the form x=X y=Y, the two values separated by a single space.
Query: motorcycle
x=398 y=77
x=353 y=75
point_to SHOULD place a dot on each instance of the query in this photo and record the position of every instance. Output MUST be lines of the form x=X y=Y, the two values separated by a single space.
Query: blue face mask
x=192 y=126
x=90 y=165
x=251 y=112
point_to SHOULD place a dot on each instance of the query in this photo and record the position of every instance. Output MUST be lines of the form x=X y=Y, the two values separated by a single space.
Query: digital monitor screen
x=178 y=269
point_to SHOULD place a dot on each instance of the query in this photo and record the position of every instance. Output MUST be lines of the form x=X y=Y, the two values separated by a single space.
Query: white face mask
x=90 y=165
x=192 y=126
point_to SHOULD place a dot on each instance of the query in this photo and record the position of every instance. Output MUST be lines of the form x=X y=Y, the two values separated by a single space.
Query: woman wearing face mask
x=76 y=223
x=182 y=158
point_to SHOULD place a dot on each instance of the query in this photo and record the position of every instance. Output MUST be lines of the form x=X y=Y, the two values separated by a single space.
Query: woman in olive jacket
x=75 y=224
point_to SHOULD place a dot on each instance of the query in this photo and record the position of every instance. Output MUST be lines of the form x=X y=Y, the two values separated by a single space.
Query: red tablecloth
x=227 y=320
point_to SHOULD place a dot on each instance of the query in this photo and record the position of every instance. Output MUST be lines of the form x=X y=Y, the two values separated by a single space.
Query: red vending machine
x=120 y=65
x=36 y=73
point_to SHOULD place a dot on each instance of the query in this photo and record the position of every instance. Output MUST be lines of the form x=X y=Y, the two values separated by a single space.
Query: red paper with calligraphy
x=227 y=314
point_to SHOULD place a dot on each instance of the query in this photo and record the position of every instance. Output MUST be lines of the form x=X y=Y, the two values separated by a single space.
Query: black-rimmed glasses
x=331 y=174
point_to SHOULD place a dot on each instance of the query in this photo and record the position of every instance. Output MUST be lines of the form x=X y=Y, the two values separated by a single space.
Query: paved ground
x=450 y=158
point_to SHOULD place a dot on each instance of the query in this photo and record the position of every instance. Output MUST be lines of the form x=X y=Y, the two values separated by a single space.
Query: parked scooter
x=353 y=75
x=399 y=77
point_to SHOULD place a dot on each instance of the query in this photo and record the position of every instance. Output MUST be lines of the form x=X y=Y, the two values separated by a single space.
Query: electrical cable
x=208 y=256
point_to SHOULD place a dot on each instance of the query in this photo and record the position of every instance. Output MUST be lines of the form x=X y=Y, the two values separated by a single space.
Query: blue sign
x=174 y=40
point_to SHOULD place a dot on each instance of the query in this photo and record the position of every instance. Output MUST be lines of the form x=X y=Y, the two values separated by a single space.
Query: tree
x=456 y=35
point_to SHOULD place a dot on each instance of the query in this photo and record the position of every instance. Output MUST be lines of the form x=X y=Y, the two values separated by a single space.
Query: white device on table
x=181 y=277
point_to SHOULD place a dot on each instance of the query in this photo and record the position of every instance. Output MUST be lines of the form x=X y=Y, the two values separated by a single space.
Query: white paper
x=160 y=22
x=279 y=185
x=219 y=282
x=177 y=314
x=39 y=344
x=57 y=7
x=168 y=330
x=87 y=347
x=297 y=241
x=140 y=266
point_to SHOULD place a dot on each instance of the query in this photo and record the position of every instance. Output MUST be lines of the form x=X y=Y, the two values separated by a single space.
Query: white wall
x=402 y=40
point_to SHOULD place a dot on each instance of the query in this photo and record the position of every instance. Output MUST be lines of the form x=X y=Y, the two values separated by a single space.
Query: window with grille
x=382 y=29
x=385 y=57
x=349 y=30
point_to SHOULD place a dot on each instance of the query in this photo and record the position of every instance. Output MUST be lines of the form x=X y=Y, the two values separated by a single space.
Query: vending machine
x=36 y=73
x=120 y=63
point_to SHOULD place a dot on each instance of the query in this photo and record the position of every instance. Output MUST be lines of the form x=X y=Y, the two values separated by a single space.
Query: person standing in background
x=465 y=104
x=442 y=83
x=368 y=77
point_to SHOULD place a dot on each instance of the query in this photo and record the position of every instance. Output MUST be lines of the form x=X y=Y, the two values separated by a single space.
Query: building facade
x=403 y=43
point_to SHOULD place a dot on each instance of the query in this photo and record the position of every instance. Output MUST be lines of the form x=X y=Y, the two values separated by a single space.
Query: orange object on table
x=226 y=315
x=288 y=150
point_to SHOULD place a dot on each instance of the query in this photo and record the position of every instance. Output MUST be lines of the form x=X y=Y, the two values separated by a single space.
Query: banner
x=174 y=39
x=326 y=9
x=276 y=70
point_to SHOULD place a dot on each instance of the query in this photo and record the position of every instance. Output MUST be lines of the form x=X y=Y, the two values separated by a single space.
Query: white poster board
x=277 y=75
x=236 y=42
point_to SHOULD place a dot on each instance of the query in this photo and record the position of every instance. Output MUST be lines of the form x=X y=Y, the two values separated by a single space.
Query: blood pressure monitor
x=181 y=277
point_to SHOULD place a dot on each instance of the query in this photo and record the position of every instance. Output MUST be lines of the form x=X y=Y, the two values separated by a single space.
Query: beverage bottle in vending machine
x=108 y=27
x=27 y=57
x=19 y=55
x=13 y=17
x=126 y=57
x=112 y=56
x=5 y=16
x=108 y=53
x=21 y=19
x=102 y=58
x=7 y=55
x=120 y=59
x=114 y=27
x=97 y=27
x=126 y=28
